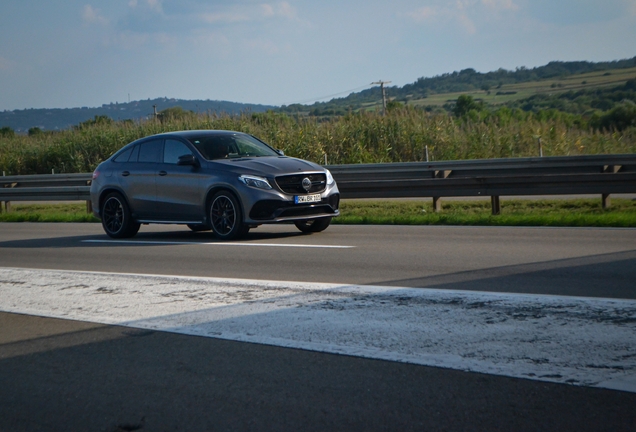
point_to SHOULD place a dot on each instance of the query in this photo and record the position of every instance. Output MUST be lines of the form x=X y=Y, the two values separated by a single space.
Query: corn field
x=402 y=135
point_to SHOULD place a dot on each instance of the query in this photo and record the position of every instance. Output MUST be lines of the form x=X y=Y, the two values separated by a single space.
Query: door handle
x=162 y=173
x=125 y=173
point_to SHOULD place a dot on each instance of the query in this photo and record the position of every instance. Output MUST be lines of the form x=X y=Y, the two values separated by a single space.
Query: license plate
x=302 y=199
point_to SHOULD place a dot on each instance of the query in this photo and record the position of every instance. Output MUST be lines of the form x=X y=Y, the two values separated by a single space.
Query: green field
x=525 y=90
x=578 y=213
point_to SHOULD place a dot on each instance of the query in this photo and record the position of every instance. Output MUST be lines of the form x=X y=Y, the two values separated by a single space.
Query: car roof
x=191 y=133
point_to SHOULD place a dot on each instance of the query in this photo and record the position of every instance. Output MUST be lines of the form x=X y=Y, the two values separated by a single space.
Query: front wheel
x=116 y=218
x=313 y=225
x=226 y=216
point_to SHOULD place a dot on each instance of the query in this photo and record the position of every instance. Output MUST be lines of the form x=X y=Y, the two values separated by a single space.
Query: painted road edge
x=570 y=340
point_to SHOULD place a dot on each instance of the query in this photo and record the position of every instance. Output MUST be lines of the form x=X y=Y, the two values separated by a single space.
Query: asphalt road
x=68 y=375
x=563 y=261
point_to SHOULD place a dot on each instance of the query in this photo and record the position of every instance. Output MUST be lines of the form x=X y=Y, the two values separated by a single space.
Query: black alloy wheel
x=116 y=217
x=313 y=225
x=226 y=216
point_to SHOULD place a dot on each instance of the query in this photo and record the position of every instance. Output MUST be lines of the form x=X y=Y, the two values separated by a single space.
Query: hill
x=572 y=87
x=63 y=118
x=494 y=88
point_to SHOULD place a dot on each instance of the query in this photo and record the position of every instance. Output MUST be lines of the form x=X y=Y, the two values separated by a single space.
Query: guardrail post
x=89 y=206
x=612 y=169
x=496 y=205
x=437 y=201
x=7 y=206
x=437 y=204
x=606 y=201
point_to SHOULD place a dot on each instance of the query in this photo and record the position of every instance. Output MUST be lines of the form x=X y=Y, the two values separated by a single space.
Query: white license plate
x=302 y=199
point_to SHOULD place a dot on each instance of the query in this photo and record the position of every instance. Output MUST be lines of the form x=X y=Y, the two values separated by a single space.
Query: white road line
x=142 y=242
x=581 y=341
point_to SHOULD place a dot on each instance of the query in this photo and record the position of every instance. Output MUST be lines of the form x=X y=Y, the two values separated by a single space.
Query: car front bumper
x=272 y=206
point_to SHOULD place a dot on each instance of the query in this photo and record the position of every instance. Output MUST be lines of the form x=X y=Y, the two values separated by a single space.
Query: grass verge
x=576 y=213
x=74 y=212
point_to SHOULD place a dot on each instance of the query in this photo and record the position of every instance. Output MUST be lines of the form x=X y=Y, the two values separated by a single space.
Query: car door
x=137 y=178
x=178 y=187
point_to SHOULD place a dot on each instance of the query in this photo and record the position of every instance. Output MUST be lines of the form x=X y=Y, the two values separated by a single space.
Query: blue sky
x=76 y=53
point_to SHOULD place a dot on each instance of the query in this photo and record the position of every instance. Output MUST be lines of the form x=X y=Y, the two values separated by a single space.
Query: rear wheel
x=116 y=218
x=313 y=225
x=226 y=216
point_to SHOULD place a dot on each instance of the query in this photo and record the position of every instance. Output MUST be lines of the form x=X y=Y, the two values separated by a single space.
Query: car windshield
x=228 y=146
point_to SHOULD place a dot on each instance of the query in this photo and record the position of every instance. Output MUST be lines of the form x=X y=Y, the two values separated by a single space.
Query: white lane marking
x=582 y=341
x=220 y=244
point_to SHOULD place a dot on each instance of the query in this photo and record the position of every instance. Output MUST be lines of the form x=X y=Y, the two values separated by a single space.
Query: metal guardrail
x=45 y=187
x=567 y=175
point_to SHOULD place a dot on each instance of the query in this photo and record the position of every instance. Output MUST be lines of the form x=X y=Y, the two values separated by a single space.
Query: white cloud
x=500 y=4
x=467 y=24
x=154 y=5
x=268 y=10
x=91 y=15
x=281 y=9
x=286 y=10
x=423 y=14
x=224 y=17
x=262 y=11
x=463 y=13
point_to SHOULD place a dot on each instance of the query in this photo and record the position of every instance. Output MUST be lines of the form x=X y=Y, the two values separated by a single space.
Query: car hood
x=270 y=166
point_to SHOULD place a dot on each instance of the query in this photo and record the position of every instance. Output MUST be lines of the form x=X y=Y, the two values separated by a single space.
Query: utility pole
x=381 y=84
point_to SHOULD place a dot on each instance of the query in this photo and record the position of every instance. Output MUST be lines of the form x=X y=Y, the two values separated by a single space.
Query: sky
x=76 y=53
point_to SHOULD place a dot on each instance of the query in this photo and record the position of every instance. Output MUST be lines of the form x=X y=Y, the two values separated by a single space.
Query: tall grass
x=402 y=135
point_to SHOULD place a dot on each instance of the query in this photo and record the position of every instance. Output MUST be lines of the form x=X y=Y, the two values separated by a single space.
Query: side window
x=135 y=154
x=150 y=151
x=123 y=156
x=173 y=149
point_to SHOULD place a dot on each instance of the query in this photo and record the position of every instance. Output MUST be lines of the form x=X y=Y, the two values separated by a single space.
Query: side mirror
x=280 y=152
x=188 y=159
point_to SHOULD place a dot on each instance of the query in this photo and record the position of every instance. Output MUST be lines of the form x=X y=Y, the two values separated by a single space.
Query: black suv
x=225 y=181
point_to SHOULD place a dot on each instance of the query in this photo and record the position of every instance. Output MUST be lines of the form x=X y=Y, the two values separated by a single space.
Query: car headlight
x=256 y=182
x=330 y=179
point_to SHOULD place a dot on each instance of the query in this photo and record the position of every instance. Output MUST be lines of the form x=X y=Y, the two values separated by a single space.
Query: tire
x=116 y=218
x=199 y=227
x=226 y=216
x=313 y=225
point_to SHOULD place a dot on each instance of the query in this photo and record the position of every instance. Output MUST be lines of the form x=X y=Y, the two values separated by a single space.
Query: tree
x=465 y=104
x=98 y=120
x=35 y=131
x=620 y=117
x=7 y=132
x=174 y=113
x=394 y=105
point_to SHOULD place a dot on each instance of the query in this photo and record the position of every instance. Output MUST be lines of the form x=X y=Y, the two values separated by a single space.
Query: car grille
x=272 y=209
x=292 y=184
